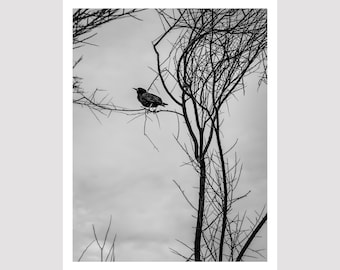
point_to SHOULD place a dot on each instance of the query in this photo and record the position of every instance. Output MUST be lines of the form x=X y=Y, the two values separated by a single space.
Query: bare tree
x=110 y=256
x=206 y=65
x=84 y=22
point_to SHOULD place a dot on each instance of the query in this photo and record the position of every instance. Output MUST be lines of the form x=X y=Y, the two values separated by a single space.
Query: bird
x=148 y=99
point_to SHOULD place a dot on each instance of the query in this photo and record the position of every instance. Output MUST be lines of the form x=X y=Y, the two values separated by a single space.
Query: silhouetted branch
x=82 y=254
x=102 y=246
x=251 y=238
x=86 y=20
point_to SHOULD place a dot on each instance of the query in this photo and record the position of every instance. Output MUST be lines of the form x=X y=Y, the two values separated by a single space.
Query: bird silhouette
x=147 y=99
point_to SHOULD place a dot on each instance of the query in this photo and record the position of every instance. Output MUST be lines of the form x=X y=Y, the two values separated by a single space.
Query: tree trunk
x=225 y=189
x=200 y=211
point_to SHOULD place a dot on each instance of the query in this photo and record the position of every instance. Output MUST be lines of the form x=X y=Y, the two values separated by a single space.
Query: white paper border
x=68 y=263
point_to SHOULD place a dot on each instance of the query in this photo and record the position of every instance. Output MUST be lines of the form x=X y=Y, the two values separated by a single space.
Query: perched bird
x=147 y=99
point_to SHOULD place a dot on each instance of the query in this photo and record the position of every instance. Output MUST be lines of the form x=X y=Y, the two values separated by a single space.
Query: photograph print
x=169 y=135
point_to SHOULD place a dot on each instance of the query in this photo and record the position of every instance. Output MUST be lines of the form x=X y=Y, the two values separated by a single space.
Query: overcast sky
x=118 y=172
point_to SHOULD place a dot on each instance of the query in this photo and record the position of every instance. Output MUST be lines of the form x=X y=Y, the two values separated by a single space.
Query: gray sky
x=118 y=172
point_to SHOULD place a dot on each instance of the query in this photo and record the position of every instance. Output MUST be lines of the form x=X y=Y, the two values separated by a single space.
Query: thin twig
x=82 y=254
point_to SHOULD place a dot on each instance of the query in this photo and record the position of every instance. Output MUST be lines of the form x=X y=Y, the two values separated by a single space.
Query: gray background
x=31 y=137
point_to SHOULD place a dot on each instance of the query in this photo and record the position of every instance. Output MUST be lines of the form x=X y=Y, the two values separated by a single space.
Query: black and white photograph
x=170 y=135
x=174 y=134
